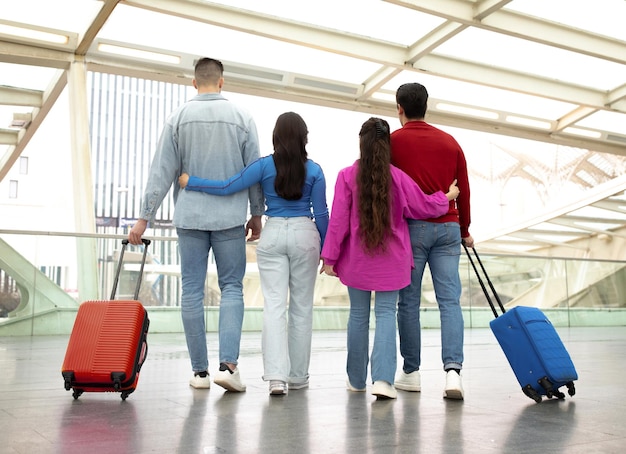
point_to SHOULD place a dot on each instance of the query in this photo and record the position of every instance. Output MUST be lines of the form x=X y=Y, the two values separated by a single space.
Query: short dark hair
x=413 y=98
x=208 y=71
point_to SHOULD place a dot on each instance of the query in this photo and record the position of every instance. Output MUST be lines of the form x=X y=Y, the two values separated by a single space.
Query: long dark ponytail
x=374 y=184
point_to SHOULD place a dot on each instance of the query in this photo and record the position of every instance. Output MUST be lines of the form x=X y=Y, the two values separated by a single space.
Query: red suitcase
x=108 y=344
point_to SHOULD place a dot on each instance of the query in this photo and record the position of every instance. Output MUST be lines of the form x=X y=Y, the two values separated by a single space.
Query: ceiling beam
x=96 y=25
x=289 y=31
x=13 y=96
x=395 y=55
x=378 y=80
x=281 y=86
x=574 y=116
x=480 y=74
x=9 y=137
x=519 y=25
x=484 y=8
x=24 y=54
x=432 y=40
x=618 y=206
x=49 y=98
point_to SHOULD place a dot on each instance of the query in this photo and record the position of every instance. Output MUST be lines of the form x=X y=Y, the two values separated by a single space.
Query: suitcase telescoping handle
x=482 y=285
x=119 y=267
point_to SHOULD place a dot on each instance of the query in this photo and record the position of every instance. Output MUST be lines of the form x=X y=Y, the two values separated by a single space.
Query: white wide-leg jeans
x=288 y=257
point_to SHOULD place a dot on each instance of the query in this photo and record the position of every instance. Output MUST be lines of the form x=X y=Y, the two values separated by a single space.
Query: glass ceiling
x=552 y=72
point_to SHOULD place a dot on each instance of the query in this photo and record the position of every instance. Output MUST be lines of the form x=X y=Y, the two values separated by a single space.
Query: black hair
x=290 y=137
x=413 y=98
x=374 y=184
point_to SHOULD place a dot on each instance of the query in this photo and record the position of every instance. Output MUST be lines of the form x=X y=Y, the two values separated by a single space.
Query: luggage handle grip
x=480 y=281
x=125 y=242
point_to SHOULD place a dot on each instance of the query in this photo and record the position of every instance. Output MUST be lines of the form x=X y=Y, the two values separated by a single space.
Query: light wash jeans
x=384 y=358
x=288 y=256
x=439 y=245
x=229 y=249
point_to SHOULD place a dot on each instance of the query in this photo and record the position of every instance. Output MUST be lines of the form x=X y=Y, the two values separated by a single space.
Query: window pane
x=24 y=165
x=13 y=189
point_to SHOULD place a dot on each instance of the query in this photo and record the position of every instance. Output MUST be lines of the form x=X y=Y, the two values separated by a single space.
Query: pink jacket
x=381 y=271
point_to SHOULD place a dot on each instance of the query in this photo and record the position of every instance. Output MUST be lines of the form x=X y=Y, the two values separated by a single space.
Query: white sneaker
x=384 y=390
x=352 y=388
x=229 y=379
x=278 y=388
x=454 y=387
x=199 y=382
x=408 y=382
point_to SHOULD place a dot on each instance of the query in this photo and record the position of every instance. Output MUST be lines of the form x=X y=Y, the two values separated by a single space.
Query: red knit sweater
x=433 y=158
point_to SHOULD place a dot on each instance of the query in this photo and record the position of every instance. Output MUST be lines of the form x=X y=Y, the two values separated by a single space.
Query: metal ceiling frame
x=361 y=96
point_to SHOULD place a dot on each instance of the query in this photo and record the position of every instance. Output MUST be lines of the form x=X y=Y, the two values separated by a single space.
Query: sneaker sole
x=229 y=387
x=278 y=392
x=409 y=388
x=384 y=396
x=453 y=394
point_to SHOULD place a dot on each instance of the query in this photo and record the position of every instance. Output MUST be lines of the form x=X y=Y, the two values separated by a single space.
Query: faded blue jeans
x=384 y=357
x=288 y=257
x=229 y=249
x=439 y=246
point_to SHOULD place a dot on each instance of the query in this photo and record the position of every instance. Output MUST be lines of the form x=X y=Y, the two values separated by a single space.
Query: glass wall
x=41 y=297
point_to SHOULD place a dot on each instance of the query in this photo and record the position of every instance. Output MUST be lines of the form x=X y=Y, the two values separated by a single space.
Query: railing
x=39 y=276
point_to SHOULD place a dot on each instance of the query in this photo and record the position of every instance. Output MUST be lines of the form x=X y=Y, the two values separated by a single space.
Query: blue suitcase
x=532 y=346
x=535 y=352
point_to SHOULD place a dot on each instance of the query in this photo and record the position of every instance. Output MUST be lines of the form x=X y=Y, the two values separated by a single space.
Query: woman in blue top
x=288 y=252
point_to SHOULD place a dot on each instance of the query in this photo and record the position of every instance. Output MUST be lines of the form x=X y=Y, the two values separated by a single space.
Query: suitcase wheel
x=558 y=394
x=76 y=394
x=571 y=390
x=551 y=391
x=546 y=384
x=532 y=393
x=117 y=378
x=126 y=393
x=68 y=378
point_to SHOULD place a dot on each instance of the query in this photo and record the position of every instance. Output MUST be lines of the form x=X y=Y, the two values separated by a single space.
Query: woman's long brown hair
x=290 y=156
x=374 y=184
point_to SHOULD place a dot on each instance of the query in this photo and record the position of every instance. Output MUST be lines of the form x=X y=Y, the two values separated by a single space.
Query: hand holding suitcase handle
x=119 y=267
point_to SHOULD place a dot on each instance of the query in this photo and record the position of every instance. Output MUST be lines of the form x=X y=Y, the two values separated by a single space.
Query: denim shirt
x=210 y=137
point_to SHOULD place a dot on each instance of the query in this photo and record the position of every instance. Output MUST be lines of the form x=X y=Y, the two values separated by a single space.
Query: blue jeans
x=288 y=257
x=229 y=249
x=439 y=245
x=384 y=360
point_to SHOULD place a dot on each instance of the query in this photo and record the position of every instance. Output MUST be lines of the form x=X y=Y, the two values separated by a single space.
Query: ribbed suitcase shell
x=108 y=339
x=108 y=344
x=533 y=348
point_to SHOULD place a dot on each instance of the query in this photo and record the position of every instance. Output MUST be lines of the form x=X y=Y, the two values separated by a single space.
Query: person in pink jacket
x=368 y=247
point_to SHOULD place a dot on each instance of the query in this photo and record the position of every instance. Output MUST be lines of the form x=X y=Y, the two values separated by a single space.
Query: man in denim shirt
x=210 y=137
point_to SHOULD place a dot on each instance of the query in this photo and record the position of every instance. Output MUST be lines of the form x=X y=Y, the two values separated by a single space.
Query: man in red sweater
x=432 y=158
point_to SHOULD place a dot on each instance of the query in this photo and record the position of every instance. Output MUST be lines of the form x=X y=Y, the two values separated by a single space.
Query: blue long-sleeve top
x=311 y=204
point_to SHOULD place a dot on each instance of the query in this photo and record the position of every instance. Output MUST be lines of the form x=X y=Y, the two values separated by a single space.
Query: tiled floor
x=164 y=415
